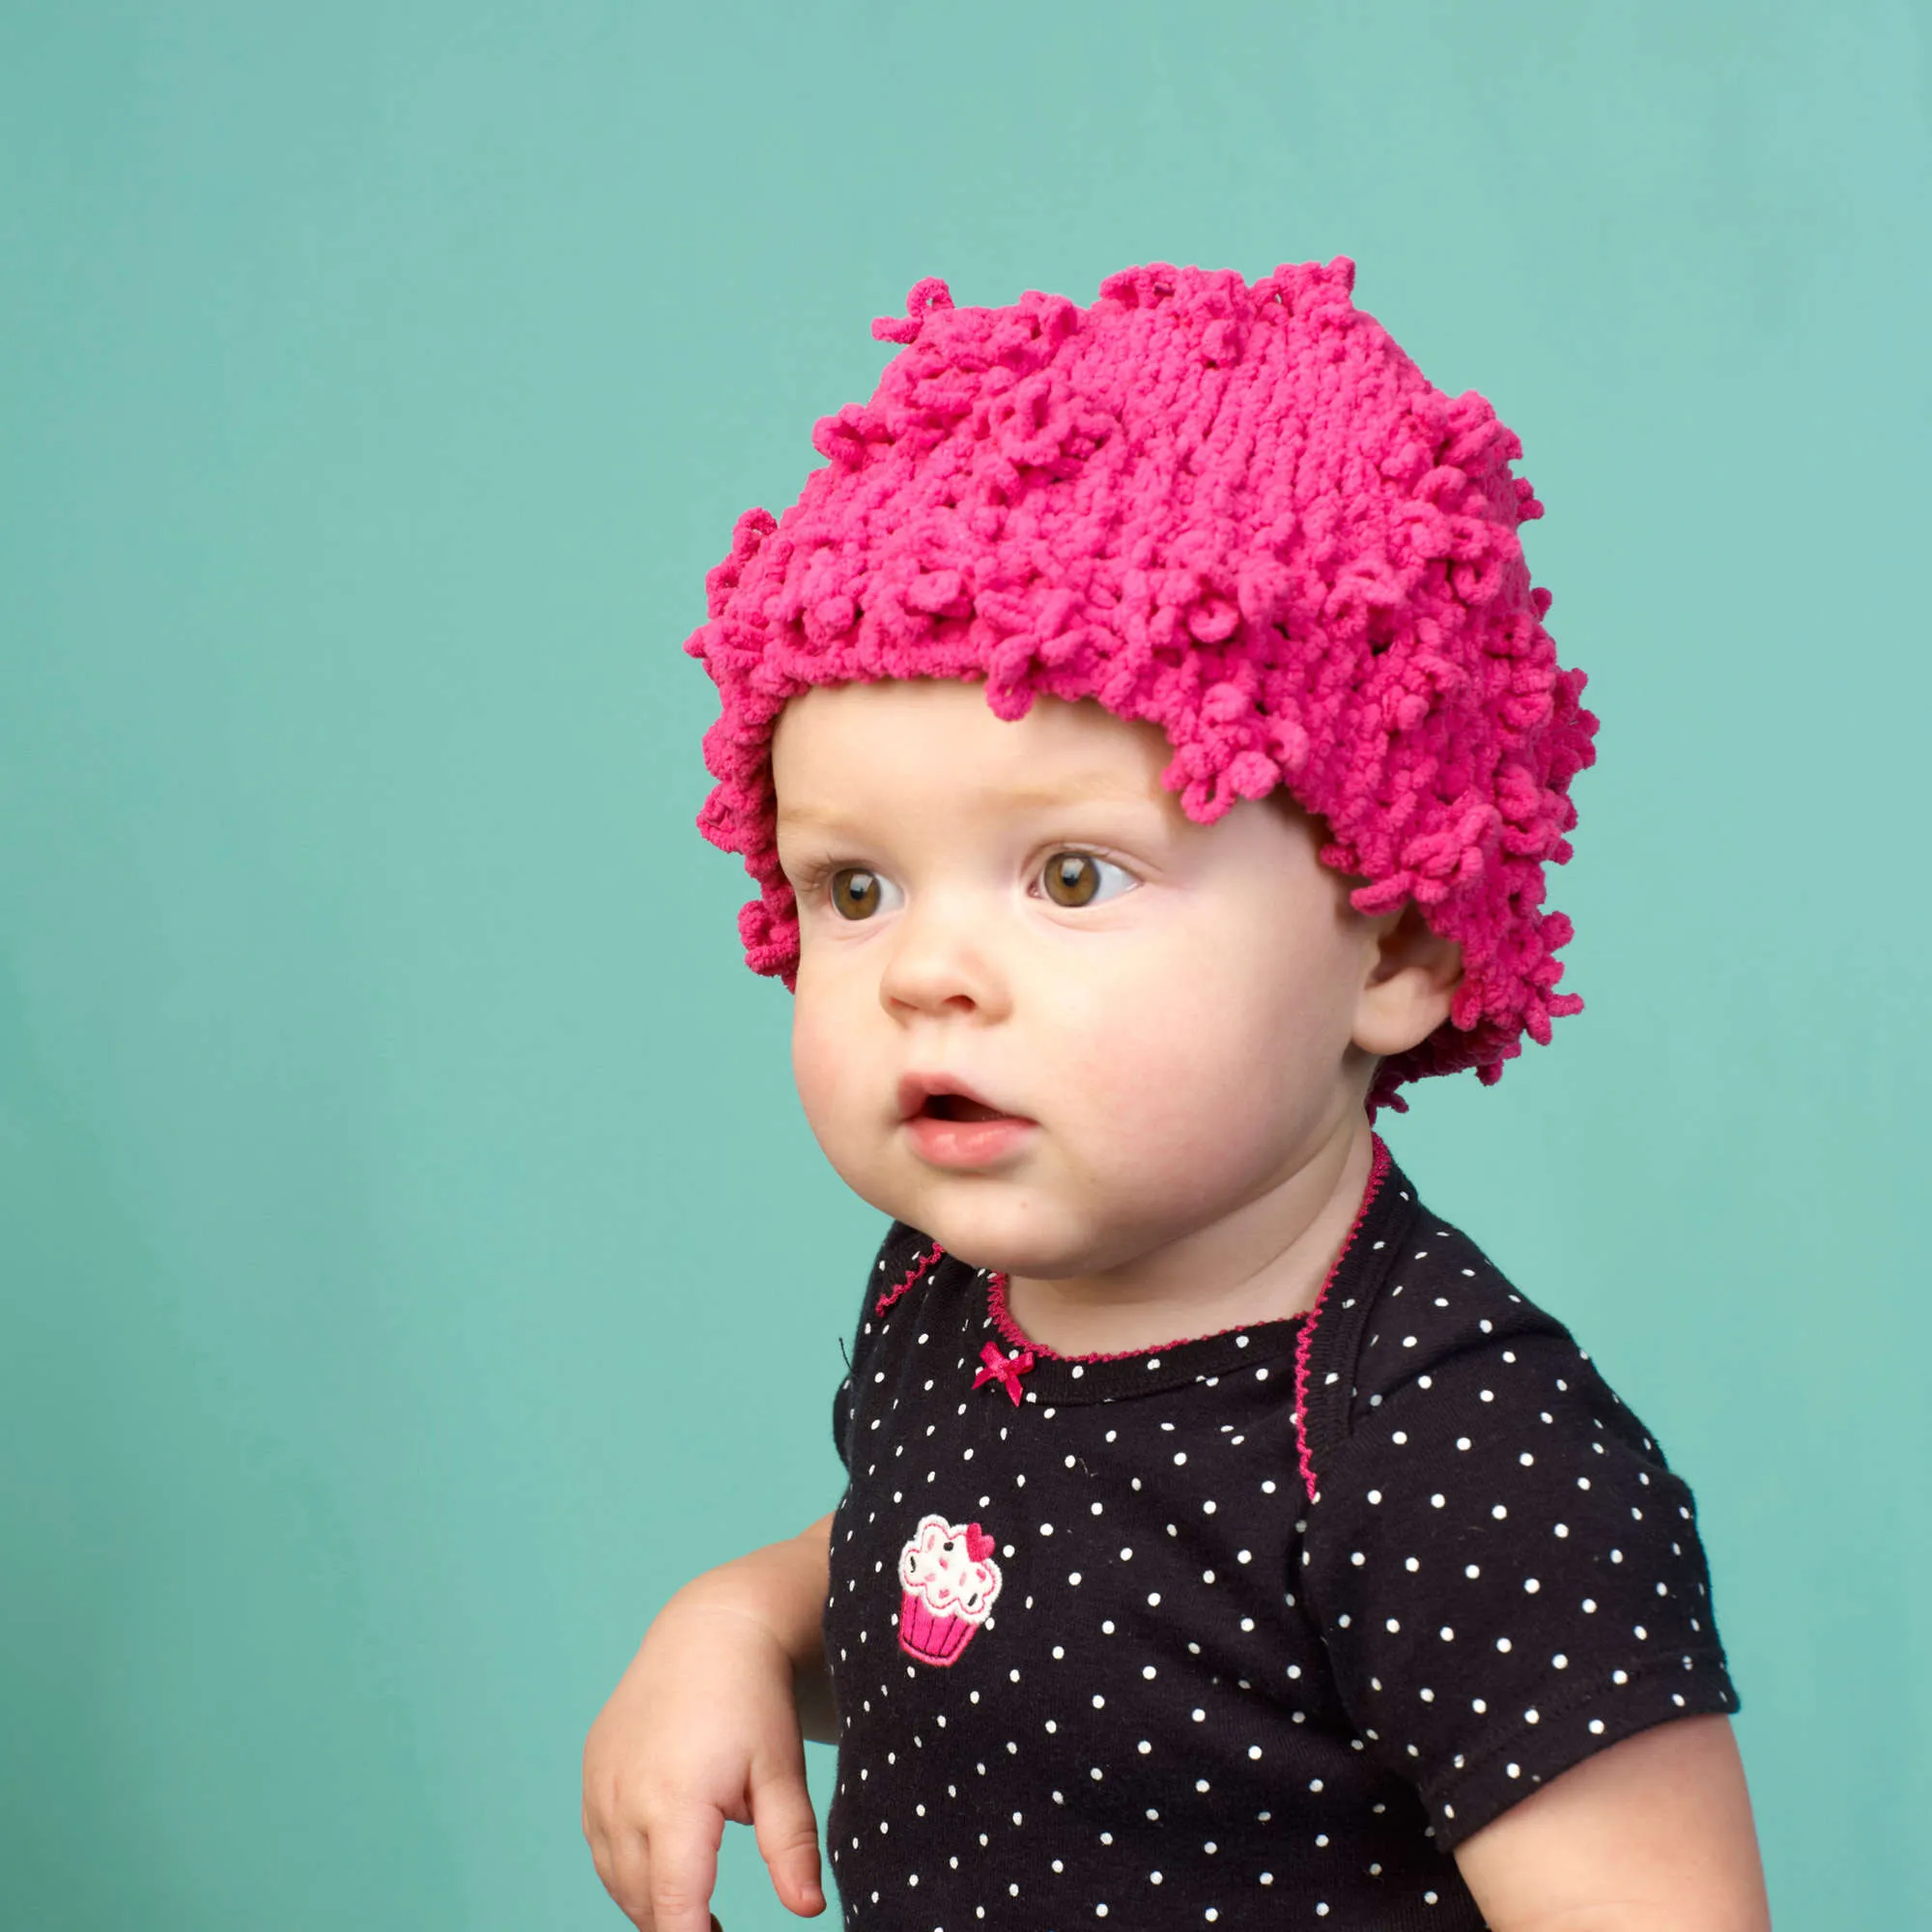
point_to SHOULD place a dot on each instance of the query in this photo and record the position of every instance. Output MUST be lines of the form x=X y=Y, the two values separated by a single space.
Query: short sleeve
x=1508 y=1576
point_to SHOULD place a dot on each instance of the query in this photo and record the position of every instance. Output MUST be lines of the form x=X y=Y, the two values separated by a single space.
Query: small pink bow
x=1005 y=1369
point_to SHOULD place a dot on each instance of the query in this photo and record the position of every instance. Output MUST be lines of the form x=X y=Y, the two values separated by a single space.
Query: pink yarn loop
x=926 y=295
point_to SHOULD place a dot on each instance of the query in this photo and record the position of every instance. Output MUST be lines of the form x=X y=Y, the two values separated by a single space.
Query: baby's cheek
x=1150 y=1057
x=1196 y=1093
x=830 y=1074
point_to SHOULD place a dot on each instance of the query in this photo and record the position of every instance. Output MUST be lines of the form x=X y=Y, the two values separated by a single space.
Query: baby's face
x=1040 y=1013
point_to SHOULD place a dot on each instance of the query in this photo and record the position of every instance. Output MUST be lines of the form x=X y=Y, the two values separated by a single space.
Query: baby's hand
x=703 y=1728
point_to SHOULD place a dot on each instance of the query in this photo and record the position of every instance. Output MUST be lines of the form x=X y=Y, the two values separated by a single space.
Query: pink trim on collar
x=914 y=1273
x=1003 y=1320
x=1305 y=1342
x=1018 y=1338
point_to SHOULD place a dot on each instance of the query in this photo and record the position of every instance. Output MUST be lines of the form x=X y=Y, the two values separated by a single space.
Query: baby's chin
x=1043 y=1216
x=1015 y=1229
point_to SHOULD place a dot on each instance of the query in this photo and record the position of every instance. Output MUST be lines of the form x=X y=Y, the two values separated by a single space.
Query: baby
x=1148 y=748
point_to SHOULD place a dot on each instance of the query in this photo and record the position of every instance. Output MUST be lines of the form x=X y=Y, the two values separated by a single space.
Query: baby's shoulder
x=1419 y=1321
x=906 y=1268
x=1429 y=1296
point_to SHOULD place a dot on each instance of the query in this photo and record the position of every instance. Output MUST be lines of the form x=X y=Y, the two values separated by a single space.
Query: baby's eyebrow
x=1083 y=788
x=803 y=816
x=1080 y=789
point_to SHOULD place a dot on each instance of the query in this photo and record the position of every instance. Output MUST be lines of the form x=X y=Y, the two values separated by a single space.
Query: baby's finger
x=684 y=1869
x=626 y=1871
x=787 y=1833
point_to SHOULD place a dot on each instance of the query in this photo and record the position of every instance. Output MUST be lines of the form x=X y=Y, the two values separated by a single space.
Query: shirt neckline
x=1016 y=1337
x=1052 y=1377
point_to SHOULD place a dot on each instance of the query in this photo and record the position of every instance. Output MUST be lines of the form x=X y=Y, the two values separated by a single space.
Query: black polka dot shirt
x=1249 y=1629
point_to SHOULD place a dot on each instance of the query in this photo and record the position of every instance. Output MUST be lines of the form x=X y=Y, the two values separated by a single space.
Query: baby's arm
x=708 y=1724
x=1653 y=1835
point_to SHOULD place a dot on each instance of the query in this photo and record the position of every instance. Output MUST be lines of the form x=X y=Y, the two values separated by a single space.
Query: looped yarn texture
x=1240 y=512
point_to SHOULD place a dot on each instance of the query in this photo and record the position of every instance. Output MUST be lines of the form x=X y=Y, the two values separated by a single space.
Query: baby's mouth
x=958 y=1130
x=943 y=1096
x=958 y=1107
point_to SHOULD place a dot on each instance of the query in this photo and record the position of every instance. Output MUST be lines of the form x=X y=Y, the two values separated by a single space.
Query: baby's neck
x=1265 y=1263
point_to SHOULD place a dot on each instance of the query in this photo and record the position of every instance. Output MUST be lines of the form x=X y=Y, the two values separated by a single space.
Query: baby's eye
x=1084 y=878
x=857 y=894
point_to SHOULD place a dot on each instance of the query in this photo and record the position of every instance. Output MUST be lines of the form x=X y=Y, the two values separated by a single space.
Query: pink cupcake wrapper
x=930 y=1638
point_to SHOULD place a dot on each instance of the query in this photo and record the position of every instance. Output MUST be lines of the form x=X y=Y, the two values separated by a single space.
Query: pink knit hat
x=1240 y=512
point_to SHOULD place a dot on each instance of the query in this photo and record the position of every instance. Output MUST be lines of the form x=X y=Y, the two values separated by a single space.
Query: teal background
x=412 y=1261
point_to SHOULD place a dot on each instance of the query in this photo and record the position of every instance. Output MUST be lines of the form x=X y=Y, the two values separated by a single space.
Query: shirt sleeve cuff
x=1476 y=1794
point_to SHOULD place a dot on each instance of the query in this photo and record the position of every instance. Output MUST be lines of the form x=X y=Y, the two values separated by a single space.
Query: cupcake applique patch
x=950 y=1580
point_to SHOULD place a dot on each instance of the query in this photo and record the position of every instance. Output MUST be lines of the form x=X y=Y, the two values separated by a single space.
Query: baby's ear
x=1409 y=986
